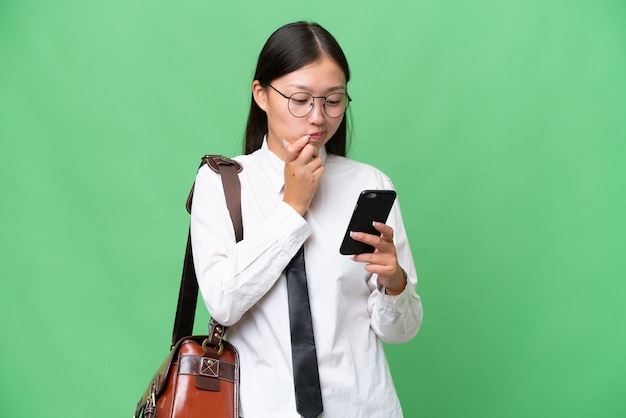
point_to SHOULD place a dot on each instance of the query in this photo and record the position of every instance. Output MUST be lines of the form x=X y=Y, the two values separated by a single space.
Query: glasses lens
x=336 y=104
x=300 y=104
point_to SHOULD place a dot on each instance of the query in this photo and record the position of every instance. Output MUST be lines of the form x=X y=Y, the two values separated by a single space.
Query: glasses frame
x=314 y=97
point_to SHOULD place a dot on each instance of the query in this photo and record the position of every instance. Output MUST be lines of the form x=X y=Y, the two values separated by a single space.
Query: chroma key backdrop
x=501 y=123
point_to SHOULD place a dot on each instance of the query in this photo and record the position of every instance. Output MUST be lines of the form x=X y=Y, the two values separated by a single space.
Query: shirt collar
x=276 y=167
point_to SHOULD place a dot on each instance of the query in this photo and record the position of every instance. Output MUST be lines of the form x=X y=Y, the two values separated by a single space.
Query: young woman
x=298 y=191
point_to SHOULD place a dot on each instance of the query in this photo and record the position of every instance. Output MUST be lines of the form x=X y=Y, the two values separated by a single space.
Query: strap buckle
x=209 y=367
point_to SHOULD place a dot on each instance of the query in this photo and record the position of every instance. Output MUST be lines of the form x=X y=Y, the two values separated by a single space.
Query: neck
x=277 y=148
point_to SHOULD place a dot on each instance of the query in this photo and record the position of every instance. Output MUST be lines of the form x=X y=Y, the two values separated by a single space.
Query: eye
x=335 y=100
x=300 y=99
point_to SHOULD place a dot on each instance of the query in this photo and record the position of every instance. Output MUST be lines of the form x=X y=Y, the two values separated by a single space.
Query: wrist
x=298 y=208
x=394 y=291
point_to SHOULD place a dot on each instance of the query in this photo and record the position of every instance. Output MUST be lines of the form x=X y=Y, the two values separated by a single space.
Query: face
x=319 y=78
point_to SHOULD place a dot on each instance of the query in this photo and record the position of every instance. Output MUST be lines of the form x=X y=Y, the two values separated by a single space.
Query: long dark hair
x=290 y=48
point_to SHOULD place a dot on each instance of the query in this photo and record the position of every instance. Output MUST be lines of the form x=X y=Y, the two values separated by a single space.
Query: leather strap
x=207 y=366
x=188 y=293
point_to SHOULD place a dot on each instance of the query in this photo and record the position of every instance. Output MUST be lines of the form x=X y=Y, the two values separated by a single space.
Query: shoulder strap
x=188 y=293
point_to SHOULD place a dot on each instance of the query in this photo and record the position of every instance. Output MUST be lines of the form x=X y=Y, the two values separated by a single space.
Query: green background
x=502 y=124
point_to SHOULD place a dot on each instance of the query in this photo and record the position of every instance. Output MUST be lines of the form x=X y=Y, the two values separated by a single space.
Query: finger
x=308 y=154
x=386 y=232
x=376 y=262
x=295 y=147
x=296 y=144
x=373 y=240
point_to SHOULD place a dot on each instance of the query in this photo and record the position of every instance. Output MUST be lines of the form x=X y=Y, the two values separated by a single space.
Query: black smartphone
x=372 y=205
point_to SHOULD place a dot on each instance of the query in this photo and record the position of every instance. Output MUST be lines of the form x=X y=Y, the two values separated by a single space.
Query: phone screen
x=372 y=205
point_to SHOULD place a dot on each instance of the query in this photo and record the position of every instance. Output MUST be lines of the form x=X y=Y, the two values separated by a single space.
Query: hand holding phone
x=372 y=206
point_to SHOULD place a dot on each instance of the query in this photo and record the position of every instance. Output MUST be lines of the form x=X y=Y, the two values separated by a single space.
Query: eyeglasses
x=300 y=104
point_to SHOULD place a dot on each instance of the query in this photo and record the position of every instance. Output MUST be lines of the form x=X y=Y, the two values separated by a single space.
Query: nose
x=317 y=114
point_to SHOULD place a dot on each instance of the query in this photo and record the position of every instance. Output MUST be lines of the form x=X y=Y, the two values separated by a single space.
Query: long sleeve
x=232 y=277
x=396 y=319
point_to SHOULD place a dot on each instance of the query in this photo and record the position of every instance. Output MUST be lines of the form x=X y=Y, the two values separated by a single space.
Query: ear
x=260 y=95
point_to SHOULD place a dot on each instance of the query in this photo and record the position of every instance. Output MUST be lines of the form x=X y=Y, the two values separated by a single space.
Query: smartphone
x=372 y=205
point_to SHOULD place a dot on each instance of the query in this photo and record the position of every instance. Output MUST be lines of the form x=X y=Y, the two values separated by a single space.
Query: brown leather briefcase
x=196 y=380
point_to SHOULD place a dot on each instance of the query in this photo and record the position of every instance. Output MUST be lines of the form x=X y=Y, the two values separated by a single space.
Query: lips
x=316 y=136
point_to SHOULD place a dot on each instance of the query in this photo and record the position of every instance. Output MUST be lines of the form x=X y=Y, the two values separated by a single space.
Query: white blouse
x=243 y=286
